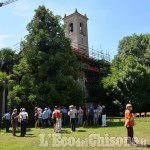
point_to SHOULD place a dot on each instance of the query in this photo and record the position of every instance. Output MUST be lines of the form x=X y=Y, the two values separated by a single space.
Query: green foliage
x=8 y=58
x=48 y=71
x=3 y=79
x=130 y=72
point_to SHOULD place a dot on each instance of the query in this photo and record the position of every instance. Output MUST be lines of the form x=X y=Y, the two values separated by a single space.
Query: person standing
x=129 y=123
x=103 y=116
x=72 y=114
x=36 y=115
x=6 y=119
x=14 y=121
x=45 y=117
x=90 y=115
x=54 y=119
x=50 y=114
x=40 y=116
x=95 y=116
x=24 y=120
x=85 y=123
x=80 y=116
x=19 y=118
x=99 y=114
x=57 y=113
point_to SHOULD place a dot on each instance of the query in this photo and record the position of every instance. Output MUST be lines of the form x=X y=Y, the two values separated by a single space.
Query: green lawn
x=36 y=139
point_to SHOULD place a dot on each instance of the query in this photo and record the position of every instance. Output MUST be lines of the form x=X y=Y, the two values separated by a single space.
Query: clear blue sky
x=109 y=20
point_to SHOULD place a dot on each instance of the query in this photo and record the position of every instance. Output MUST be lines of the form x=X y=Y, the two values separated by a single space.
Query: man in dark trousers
x=6 y=119
x=24 y=120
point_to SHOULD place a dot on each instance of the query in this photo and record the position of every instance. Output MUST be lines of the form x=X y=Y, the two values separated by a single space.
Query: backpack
x=57 y=114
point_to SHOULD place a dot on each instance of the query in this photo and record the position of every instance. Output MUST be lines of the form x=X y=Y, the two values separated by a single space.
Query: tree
x=8 y=58
x=130 y=72
x=3 y=84
x=48 y=70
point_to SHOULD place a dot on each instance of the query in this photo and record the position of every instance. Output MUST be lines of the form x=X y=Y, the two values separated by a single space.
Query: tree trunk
x=1 y=104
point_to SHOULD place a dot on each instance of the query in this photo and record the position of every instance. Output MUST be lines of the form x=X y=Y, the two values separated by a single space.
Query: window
x=81 y=27
x=71 y=27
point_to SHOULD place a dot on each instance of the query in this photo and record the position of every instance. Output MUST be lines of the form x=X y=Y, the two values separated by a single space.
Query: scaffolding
x=90 y=53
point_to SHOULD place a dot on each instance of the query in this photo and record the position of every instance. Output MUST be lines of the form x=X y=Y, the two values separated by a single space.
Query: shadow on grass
x=115 y=124
x=65 y=131
x=143 y=146
x=148 y=146
x=26 y=136
x=81 y=130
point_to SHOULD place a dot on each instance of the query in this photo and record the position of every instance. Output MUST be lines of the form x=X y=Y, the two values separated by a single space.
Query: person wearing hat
x=72 y=114
x=14 y=121
x=129 y=123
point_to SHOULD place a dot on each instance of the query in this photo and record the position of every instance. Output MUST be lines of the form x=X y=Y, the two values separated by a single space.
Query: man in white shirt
x=24 y=120
x=72 y=114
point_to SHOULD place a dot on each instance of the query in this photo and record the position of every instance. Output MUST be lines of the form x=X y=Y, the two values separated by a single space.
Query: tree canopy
x=130 y=72
x=47 y=72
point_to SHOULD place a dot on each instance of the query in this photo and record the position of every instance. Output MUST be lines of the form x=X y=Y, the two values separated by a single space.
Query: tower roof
x=75 y=13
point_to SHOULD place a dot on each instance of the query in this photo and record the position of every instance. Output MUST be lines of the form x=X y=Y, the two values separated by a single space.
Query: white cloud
x=2 y=40
x=22 y=13
x=22 y=5
x=21 y=8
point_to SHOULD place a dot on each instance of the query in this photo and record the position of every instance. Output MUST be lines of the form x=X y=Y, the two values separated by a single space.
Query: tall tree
x=8 y=58
x=130 y=69
x=49 y=69
x=3 y=84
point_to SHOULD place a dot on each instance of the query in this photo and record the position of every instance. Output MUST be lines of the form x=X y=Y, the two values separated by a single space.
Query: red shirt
x=129 y=119
x=57 y=114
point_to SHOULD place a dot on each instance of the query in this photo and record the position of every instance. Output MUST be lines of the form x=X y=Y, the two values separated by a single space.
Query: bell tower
x=76 y=30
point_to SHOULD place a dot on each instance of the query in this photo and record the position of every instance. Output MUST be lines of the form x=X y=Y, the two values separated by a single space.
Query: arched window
x=71 y=27
x=81 y=27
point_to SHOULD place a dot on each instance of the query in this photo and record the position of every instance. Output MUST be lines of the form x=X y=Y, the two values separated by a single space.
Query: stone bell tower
x=76 y=30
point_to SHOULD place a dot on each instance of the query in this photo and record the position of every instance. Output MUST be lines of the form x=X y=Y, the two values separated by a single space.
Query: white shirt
x=73 y=113
x=80 y=112
x=24 y=115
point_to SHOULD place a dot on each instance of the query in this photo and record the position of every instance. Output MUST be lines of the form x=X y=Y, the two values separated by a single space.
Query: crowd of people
x=57 y=117
x=16 y=119
x=61 y=116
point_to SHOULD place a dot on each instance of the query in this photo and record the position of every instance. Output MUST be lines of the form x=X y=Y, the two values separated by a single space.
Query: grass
x=34 y=138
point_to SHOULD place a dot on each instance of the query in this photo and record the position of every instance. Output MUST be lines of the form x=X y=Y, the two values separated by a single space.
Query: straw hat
x=71 y=106
x=15 y=110
x=128 y=105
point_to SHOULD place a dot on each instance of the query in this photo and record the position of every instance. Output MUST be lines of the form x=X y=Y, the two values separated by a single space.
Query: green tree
x=8 y=58
x=48 y=71
x=3 y=84
x=130 y=72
